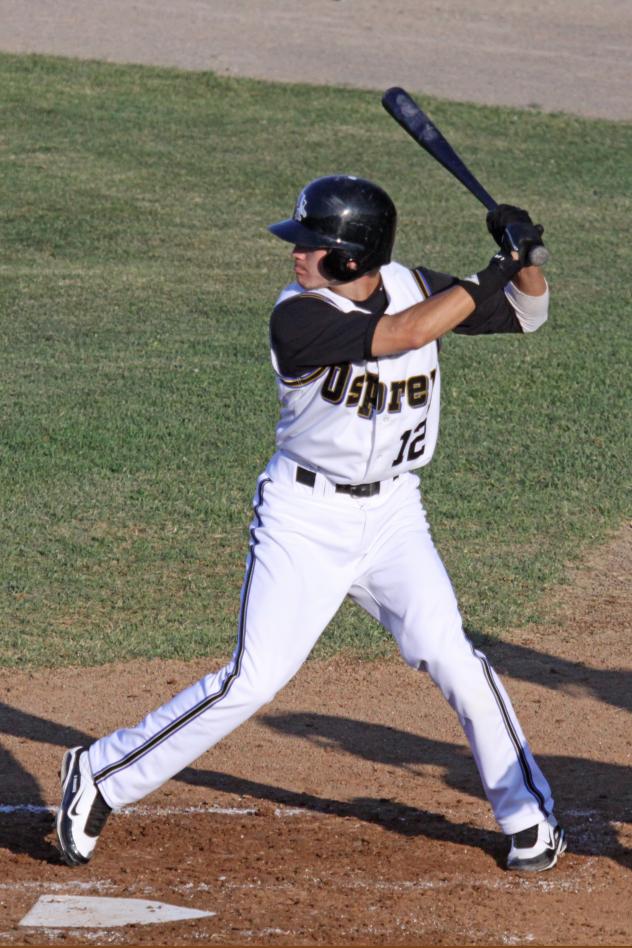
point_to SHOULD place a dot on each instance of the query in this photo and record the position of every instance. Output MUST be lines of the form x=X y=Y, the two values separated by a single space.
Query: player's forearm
x=426 y=321
x=422 y=323
x=530 y=280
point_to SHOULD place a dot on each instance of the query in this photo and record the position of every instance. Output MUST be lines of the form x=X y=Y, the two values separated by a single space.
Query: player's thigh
x=407 y=588
x=298 y=572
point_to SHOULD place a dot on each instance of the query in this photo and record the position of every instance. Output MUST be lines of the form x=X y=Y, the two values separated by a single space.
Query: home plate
x=77 y=911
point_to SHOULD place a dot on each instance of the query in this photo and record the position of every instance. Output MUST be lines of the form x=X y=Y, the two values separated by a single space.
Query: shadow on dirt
x=588 y=815
x=610 y=686
x=25 y=820
x=591 y=796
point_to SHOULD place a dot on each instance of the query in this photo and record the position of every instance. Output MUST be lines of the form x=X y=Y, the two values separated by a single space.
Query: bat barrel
x=403 y=108
x=407 y=113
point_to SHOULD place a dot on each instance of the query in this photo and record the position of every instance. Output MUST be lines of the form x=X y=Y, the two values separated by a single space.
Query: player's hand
x=521 y=238
x=502 y=216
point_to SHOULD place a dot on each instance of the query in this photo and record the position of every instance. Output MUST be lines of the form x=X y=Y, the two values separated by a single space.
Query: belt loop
x=303 y=476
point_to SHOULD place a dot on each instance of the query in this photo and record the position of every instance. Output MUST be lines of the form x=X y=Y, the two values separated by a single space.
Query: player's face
x=307 y=268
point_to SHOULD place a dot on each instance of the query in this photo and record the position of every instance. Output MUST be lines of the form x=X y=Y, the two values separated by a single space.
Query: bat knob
x=538 y=256
x=525 y=239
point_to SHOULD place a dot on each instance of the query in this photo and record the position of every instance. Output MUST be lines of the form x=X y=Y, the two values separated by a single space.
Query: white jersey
x=364 y=421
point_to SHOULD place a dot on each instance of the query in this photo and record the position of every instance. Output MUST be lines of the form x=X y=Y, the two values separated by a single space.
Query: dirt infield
x=349 y=811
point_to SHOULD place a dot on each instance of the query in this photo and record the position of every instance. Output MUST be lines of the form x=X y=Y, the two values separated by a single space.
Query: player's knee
x=266 y=695
x=430 y=648
x=259 y=689
x=256 y=695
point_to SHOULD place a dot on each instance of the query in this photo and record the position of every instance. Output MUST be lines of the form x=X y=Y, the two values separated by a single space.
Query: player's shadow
x=25 y=819
x=606 y=793
x=609 y=686
x=602 y=789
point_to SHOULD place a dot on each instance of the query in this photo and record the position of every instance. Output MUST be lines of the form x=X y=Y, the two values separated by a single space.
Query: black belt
x=303 y=476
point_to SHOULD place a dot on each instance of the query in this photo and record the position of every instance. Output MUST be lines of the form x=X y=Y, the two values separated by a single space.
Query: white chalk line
x=280 y=811
x=594 y=818
x=379 y=885
x=29 y=808
x=100 y=935
x=98 y=885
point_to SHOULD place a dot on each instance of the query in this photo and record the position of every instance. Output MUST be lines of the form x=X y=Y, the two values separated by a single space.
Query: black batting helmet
x=351 y=217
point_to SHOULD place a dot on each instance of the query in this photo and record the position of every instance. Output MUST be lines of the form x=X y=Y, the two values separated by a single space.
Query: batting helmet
x=351 y=217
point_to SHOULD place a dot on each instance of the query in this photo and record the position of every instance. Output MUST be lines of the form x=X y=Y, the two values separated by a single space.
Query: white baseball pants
x=310 y=547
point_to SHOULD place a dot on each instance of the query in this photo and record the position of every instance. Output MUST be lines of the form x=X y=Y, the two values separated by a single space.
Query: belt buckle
x=360 y=490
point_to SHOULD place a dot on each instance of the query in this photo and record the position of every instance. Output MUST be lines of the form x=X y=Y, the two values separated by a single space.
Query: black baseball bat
x=419 y=126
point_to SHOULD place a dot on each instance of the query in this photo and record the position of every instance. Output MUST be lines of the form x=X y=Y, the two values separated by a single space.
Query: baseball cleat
x=537 y=848
x=83 y=811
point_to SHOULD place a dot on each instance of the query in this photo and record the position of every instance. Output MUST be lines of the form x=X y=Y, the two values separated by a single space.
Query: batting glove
x=499 y=271
x=502 y=216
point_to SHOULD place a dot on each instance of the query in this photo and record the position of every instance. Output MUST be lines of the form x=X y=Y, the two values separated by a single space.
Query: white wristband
x=532 y=311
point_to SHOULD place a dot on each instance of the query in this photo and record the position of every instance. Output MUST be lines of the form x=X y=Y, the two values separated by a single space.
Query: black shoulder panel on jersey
x=307 y=332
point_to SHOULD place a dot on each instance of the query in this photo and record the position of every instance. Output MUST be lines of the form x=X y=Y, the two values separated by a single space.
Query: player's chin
x=308 y=281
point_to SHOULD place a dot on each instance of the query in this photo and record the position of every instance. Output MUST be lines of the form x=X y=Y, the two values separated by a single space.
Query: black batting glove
x=499 y=271
x=502 y=216
x=522 y=238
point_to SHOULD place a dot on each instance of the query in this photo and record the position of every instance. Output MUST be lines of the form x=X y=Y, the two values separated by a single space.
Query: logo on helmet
x=300 y=211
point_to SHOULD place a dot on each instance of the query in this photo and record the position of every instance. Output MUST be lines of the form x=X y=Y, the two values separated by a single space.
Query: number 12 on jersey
x=412 y=449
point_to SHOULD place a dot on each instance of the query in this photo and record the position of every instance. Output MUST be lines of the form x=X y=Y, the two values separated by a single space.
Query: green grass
x=138 y=403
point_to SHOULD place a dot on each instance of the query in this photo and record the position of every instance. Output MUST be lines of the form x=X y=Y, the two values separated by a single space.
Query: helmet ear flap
x=337 y=265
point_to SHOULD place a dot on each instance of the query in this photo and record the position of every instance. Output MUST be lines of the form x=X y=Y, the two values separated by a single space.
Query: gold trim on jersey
x=310 y=294
x=303 y=379
x=421 y=283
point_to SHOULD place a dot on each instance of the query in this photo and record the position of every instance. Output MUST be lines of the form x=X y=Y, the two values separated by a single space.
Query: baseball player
x=337 y=511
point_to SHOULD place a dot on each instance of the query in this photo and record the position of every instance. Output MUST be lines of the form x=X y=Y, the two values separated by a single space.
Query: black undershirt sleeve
x=307 y=332
x=495 y=314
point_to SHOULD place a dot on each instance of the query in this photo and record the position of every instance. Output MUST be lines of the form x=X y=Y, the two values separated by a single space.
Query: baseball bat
x=403 y=108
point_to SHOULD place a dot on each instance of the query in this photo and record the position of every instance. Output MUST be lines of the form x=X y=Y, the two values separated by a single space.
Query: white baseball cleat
x=83 y=811
x=537 y=848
